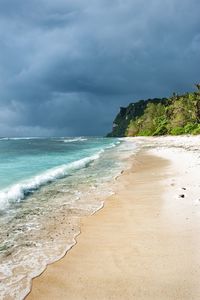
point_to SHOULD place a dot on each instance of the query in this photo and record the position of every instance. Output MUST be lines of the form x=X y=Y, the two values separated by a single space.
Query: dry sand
x=144 y=244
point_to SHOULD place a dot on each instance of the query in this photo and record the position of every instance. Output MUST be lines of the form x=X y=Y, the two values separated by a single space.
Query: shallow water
x=44 y=198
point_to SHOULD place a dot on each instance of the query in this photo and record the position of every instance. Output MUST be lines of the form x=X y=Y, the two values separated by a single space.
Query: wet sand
x=144 y=244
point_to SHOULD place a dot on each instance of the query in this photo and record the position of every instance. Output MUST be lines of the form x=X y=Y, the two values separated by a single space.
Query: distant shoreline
x=176 y=115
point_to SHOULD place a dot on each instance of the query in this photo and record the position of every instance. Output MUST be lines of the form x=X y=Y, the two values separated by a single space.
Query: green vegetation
x=175 y=115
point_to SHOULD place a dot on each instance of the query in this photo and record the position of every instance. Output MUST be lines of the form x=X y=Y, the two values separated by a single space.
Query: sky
x=66 y=66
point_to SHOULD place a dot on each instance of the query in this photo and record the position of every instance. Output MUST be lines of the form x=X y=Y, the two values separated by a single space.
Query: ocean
x=46 y=186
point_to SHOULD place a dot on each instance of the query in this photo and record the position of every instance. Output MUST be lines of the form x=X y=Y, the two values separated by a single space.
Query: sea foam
x=79 y=139
x=17 y=192
x=18 y=138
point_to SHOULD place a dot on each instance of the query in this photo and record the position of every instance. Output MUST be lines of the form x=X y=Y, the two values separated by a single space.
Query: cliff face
x=179 y=114
x=129 y=113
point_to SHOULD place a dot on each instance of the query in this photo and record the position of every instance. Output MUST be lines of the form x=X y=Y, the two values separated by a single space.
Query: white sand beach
x=144 y=244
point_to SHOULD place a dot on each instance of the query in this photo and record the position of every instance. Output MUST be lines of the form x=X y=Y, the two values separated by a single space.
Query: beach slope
x=144 y=244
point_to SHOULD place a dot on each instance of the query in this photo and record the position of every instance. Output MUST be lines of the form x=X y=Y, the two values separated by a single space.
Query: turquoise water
x=26 y=164
x=46 y=185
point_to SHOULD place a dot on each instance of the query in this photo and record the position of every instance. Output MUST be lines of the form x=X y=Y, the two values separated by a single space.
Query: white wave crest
x=18 y=191
x=78 y=139
x=18 y=138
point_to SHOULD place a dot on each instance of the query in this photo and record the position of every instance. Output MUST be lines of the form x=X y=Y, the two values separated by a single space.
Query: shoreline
x=44 y=231
x=86 y=273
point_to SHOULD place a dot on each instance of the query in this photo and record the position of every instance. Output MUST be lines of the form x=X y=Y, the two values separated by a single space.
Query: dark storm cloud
x=66 y=66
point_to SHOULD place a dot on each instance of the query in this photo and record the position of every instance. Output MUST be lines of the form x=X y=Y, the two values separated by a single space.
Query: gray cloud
x=67 y=66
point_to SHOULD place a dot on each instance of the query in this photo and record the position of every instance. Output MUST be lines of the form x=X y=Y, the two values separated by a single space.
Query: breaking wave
x=19 y=191
x=18 y=138
x=79 y=139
